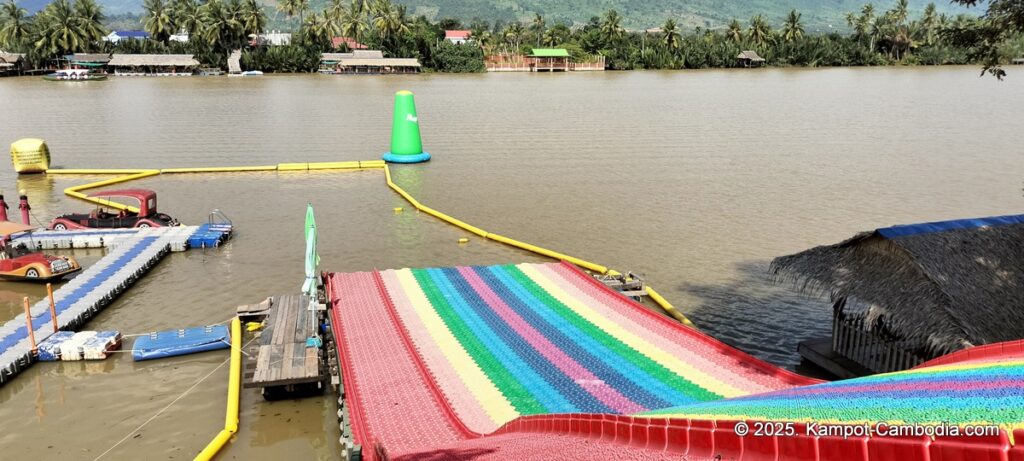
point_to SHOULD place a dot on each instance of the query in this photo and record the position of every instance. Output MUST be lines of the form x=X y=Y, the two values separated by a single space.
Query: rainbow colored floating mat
x=537 y=361
x=967 y=394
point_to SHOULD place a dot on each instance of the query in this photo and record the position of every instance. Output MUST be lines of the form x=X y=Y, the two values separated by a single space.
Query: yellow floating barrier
x=334 y=165
x=226 y=169
x=399 y=209
x=668 y=307
x=234 y=380
x=292 y=166
x=131 y=175
x=463 y=240
x=96 y=171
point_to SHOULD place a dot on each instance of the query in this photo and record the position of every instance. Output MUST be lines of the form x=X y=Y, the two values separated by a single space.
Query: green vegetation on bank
x=215 y=27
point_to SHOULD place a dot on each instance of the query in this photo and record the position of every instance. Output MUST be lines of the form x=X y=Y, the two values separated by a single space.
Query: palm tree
x=929 y=24
x=60 y=30
x=335 y=11
x=899 y=12
x=735 y=32
x=670 y=35
x=186 y=16
x=220 y=24
x=90 y=18
x=252 y=17
x=15 y=26
x=611 y=29
x=538 y=27
x=760 y=32
x=293 y=8
x=157 y=19
x=353 y=23
x=513 y=35
x=317 y=29
x=792 y=30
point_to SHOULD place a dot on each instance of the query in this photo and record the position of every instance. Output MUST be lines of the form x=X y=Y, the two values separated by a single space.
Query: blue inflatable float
x=171 y=343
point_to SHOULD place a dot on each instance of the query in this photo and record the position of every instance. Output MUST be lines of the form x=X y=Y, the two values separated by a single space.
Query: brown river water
x=696 y=179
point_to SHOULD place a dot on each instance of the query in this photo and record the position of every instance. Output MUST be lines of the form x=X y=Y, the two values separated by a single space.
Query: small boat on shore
x=75 y=75
x=248 y=73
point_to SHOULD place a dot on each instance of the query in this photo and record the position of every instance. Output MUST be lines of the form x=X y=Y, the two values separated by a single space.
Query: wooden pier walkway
x=282 y=358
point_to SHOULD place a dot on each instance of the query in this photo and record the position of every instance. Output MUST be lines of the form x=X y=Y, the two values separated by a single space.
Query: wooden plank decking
x=282 y=357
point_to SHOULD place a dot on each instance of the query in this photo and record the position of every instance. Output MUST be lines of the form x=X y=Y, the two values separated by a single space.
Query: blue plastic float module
x=50 y=349
x=170 y=343
x=209 y=235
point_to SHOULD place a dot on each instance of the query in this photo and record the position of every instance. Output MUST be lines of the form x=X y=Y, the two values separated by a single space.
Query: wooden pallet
x=282 y=358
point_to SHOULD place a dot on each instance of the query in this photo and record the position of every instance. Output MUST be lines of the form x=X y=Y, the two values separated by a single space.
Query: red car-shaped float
x=18 y=262
x=147 y=215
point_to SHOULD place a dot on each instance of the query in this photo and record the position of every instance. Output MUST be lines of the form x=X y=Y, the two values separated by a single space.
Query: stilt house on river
x=11 y=63
x=153 y=64
x=366 y=62
x=905 y=294
x=750 y=59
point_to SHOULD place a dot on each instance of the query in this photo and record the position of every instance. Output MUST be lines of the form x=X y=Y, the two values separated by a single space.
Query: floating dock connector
x=406 y=145
x=30 y=155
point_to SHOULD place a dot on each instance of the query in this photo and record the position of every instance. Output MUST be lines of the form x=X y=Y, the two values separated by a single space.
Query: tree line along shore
x=214 y=28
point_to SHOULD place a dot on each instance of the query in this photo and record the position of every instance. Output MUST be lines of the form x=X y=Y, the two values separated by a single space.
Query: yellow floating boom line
x=234 y=381
x=131 y=175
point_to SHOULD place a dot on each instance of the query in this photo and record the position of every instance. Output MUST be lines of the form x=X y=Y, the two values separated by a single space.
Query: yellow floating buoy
x=30 y=155
x=398 y=209
x=253 y=326
x=463 y=240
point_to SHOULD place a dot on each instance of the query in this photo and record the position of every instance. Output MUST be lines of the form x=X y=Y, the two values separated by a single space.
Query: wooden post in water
x=28 y=321
x=53 y=306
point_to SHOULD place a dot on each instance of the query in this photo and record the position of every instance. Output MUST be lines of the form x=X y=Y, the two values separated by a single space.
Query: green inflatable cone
x=406 y=145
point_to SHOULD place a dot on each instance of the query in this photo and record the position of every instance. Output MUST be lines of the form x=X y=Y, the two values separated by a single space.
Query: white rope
x=162 y=410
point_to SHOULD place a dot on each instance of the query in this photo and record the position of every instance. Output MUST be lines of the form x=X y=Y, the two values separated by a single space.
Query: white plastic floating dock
x=132 y=252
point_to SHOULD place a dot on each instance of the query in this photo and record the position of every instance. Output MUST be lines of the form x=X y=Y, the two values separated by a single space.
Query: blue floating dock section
x=210 y=235
x=131 y=253
x=172 y=343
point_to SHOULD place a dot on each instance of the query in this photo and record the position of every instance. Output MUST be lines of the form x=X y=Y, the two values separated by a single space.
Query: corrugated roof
x=459 y=34
x=180 y=60
x=550 y=53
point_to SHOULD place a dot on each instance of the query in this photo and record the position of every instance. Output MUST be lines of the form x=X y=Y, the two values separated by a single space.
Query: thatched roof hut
x=941 y=286
x=750 y=58
x=11 y=59
x=153 y=60
x=89 y=58
x=366 y=62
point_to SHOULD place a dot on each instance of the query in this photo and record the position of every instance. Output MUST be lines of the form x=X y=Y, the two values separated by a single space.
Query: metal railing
x=876 y=351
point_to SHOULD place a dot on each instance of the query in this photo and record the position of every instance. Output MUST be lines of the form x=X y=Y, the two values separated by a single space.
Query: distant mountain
x=818 y=15
x=642 y=14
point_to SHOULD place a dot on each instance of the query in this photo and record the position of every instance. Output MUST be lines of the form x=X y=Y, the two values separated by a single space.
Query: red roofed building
x=350 y=42
x=457 y=37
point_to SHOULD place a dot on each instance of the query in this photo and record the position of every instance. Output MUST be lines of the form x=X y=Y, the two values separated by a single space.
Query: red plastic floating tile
x=840 y=449
x=727 y=443
x=995 y=448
